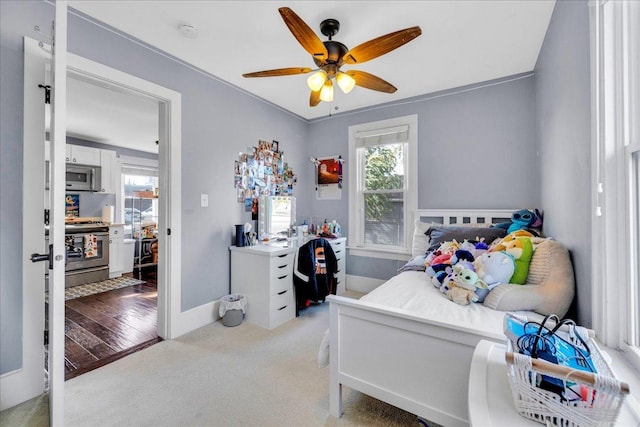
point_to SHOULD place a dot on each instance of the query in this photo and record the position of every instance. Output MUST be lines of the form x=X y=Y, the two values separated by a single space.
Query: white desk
x=490 y=398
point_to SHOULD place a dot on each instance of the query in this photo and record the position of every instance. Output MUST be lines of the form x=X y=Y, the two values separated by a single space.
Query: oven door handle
x=44 y=257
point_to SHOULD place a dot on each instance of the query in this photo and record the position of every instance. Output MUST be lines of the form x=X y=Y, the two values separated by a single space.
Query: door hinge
x=168 y=232
x=47 y=93
x=46 y=337
x=46 y=217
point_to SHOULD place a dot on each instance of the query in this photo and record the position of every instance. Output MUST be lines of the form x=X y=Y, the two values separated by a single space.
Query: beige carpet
x=219 y=376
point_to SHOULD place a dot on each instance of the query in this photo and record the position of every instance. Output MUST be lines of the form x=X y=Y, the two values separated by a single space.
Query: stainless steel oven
x=86 y=253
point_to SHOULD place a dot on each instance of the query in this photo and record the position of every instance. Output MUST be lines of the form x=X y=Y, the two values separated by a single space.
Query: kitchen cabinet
x=116 y=249
x=82 y=155
x=110 y=178
x=264 y=275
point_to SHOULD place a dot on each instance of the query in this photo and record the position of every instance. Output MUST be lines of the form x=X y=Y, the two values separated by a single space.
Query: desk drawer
x=280 y=283
x=281 y=315
x=281 y=299
x=278 y=262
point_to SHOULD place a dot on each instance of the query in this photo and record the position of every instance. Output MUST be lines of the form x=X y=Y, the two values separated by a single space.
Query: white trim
x=362 y=284
x=356 y=228
x=197 y=317
x=27 y=381
x=614 y=258
x=378 y=253
x=170 y=163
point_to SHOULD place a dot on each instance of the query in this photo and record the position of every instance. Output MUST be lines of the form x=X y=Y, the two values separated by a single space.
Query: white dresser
x=264 y=275
x=339 y=247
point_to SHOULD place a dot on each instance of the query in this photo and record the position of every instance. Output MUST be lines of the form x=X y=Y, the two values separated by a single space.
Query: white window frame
x=616 y=136
x=355 y=174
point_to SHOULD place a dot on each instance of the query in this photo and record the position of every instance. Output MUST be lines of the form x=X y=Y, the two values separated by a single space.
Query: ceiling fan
x=330 y=55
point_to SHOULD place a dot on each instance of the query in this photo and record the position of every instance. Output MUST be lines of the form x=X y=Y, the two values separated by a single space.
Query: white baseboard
x=362 y=284
x=197 y=317
x=15 y=388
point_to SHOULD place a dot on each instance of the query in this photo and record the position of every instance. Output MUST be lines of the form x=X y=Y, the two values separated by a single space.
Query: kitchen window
x=139 y=175
x=382 y=180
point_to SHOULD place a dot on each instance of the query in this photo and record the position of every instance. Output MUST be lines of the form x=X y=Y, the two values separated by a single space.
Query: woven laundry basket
x=602 y=393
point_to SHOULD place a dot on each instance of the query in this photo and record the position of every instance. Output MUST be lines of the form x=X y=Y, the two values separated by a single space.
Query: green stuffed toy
x=521 y=249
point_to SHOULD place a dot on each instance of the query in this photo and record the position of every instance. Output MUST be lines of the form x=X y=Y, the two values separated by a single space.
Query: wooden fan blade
x=369 y=81
x=279 y=72
x=381 y=45
x=305 y=35
x=314 y=99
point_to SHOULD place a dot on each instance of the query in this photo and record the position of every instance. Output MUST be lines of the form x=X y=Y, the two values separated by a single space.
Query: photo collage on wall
x=262 y=171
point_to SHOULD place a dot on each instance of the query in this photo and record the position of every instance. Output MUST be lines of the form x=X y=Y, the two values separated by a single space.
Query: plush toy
x=462 y=284
x=522 y=251
x=522 y=219
x=461 y=296
x=501 y=244
x=493 y=268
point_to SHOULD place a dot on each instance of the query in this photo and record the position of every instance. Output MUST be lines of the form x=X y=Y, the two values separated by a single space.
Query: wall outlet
x=204 y=200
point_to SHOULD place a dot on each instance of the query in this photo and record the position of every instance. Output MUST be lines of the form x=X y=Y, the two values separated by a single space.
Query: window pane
x=384 y=167
x=384 y=215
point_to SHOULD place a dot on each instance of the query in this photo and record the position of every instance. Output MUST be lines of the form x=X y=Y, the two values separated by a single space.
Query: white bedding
x=413 y=293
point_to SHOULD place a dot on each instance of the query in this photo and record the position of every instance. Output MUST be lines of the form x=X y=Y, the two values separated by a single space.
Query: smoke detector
x=188 y=30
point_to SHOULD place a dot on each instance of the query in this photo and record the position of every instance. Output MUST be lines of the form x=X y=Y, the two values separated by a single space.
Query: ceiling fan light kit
x=345 y=81
x=330 y=55
x=326 y=93
x=316 y=80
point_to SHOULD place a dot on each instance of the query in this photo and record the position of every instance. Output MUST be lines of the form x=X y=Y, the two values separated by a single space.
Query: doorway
x=27 y=382
x=112 y=317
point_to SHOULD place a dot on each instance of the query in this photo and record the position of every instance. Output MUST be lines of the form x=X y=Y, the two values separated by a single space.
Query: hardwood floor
x=105 y=327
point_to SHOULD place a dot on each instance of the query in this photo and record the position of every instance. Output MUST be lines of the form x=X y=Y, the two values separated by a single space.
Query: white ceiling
x=462 y=42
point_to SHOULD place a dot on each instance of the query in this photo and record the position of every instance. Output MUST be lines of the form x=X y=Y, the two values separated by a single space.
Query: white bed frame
x=419 y=365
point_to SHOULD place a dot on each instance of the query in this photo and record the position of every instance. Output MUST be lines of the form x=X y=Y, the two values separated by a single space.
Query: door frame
x=27 y=381
x=169 y=165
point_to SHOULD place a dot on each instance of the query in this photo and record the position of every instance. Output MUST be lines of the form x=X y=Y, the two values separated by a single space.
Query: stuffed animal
x=461 y=296
x=500 y=245
x=522 y=251
x=522 y=219
x=493 y=268
x=462 y=285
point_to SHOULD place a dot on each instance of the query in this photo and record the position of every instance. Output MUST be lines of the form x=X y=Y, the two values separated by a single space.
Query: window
x=138 y=175
x=382 y=184
x=616 y=231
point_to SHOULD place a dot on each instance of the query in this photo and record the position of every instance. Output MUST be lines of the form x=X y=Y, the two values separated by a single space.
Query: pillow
x=415 y=264
x=444 y=233
x=550 y=286
x=420 y=242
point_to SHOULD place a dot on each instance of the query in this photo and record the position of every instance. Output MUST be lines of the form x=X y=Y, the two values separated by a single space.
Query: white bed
x=388 y=346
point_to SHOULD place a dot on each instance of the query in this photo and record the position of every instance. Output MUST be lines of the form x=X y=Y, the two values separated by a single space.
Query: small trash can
x=232 y=309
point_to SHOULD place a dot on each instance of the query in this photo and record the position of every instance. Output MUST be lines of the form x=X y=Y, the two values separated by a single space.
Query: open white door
x=28 y=381
x=57 y=213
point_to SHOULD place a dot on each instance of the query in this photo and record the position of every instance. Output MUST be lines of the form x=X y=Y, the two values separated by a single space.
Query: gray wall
x=487 y=133
x=563 y=127
x=476 y=149
x=218 y=121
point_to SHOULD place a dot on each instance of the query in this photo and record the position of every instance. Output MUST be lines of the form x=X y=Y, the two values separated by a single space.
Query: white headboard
x=465 y=216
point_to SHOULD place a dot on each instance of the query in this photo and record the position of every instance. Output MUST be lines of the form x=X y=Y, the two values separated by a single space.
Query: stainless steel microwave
x=83 y=177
